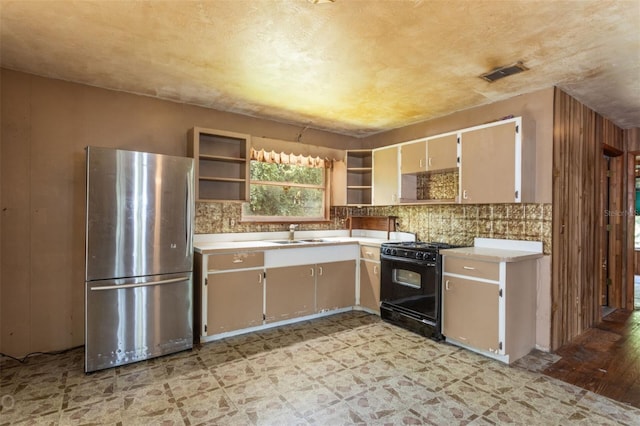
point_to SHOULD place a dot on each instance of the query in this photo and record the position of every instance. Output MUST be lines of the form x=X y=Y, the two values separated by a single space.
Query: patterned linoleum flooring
x=349 y=368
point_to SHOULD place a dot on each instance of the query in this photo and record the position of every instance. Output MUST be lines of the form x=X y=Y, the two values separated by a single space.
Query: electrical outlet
x=232 y=222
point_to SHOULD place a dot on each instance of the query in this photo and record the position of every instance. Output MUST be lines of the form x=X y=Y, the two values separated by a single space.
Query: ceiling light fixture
x=320 y=1
x=501 y=72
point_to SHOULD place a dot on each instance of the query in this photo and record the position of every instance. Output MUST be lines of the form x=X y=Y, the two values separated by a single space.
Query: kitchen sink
x=313 y=240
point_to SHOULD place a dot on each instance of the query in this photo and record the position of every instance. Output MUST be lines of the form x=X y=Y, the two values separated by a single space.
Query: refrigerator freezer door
x=128 y=320
x=140 y=212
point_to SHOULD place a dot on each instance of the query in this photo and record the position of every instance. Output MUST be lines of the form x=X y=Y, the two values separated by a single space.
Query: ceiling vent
x=501 y=72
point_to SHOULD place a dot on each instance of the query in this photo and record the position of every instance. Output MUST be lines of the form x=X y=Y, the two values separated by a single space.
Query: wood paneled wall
x=578 y=138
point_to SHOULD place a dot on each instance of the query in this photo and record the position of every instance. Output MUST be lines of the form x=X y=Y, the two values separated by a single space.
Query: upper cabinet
x=494 y=167
x=221 y=164
x=429 y=169
x=386 y=176
x=413 y=157
x=430 y=154
x=442 y=152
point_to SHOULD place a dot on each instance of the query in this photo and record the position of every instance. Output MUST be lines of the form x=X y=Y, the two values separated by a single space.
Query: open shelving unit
x=222 y=164
x=359 y=177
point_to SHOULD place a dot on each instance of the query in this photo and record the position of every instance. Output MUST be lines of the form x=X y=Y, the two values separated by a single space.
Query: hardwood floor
x=604 y=359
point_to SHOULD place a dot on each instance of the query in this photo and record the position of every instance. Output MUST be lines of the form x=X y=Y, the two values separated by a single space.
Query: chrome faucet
x=292 y=229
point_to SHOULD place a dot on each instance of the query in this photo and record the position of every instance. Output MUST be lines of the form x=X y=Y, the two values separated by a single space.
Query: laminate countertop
x=491 y=254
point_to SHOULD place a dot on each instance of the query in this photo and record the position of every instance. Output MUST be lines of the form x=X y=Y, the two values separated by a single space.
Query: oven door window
x=407 y=278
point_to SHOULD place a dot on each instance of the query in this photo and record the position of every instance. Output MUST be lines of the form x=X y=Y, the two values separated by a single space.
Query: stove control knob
x=393 y=252
x=419 y=255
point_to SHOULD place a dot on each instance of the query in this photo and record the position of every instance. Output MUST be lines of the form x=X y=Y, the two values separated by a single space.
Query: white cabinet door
x=386 y=176
x=471 y=312
x=370 y=285
x=234 y=301
x=335 y=285
x=290 y=292
x=442 y=152
x=488 y=165
x=413 y=157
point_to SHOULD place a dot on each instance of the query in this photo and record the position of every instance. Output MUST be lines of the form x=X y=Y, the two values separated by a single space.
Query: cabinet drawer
x=369 y=252
x=472 y=268
x=242 y=260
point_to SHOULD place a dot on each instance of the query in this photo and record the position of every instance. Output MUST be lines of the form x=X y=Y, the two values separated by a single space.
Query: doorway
x=636 y=239
x=612 y=224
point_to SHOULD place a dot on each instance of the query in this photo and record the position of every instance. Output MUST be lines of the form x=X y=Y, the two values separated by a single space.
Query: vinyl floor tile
x=344 y=369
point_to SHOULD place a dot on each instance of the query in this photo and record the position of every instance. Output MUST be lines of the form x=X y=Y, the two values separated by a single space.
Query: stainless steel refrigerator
x=139 y=256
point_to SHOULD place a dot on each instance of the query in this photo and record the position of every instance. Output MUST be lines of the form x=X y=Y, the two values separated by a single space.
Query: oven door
x=411 y=287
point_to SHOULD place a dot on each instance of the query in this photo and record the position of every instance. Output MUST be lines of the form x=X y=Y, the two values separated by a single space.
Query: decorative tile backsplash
x=439 y=185
x=451 y=223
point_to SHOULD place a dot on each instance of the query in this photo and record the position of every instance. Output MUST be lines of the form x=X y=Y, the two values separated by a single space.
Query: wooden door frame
x=617 y=219
x=630 y=195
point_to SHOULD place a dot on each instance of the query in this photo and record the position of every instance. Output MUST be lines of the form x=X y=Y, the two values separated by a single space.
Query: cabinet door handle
x=375 y=269
x=320 y=271
x=420 y=163
x=259 y=277
x=446 y=285
x=312 y=272
x=238 y=260
x=469 y=268
x=429 y=161
x=368 y=253
x=465 y=196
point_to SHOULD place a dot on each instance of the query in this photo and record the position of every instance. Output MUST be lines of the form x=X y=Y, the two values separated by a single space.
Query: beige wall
x=45 y=126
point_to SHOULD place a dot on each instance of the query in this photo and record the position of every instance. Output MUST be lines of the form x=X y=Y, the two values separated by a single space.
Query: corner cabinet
x=221 y=164
x=495 y=165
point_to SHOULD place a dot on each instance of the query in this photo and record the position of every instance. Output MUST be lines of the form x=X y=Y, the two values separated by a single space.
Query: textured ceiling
x=355 y=67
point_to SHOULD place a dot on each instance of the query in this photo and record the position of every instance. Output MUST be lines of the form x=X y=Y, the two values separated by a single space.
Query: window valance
x=293 y=159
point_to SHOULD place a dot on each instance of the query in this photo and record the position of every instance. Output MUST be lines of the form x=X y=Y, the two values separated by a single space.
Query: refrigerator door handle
x=118 y=287
x=189 y=214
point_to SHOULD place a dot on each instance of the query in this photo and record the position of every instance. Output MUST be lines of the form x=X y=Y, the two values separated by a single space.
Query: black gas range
x=410 y=286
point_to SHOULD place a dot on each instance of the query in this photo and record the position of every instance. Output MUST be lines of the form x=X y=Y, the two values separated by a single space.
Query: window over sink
x=286 y=192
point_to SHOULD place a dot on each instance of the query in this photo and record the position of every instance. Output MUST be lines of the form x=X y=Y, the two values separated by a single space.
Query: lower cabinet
x=490 y=306
x=470 y=313
x=370 y=278
x=226 y=292
x=296 y=291
x=247 y=289
x=290 y=292
x=335 y=287
x=370 y=285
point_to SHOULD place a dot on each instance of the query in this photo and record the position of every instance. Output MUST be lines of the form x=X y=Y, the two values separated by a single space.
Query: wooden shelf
x=359 y=174
x=221 y=179
x=221 y=158
x=222 y=164
x=379 y=223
